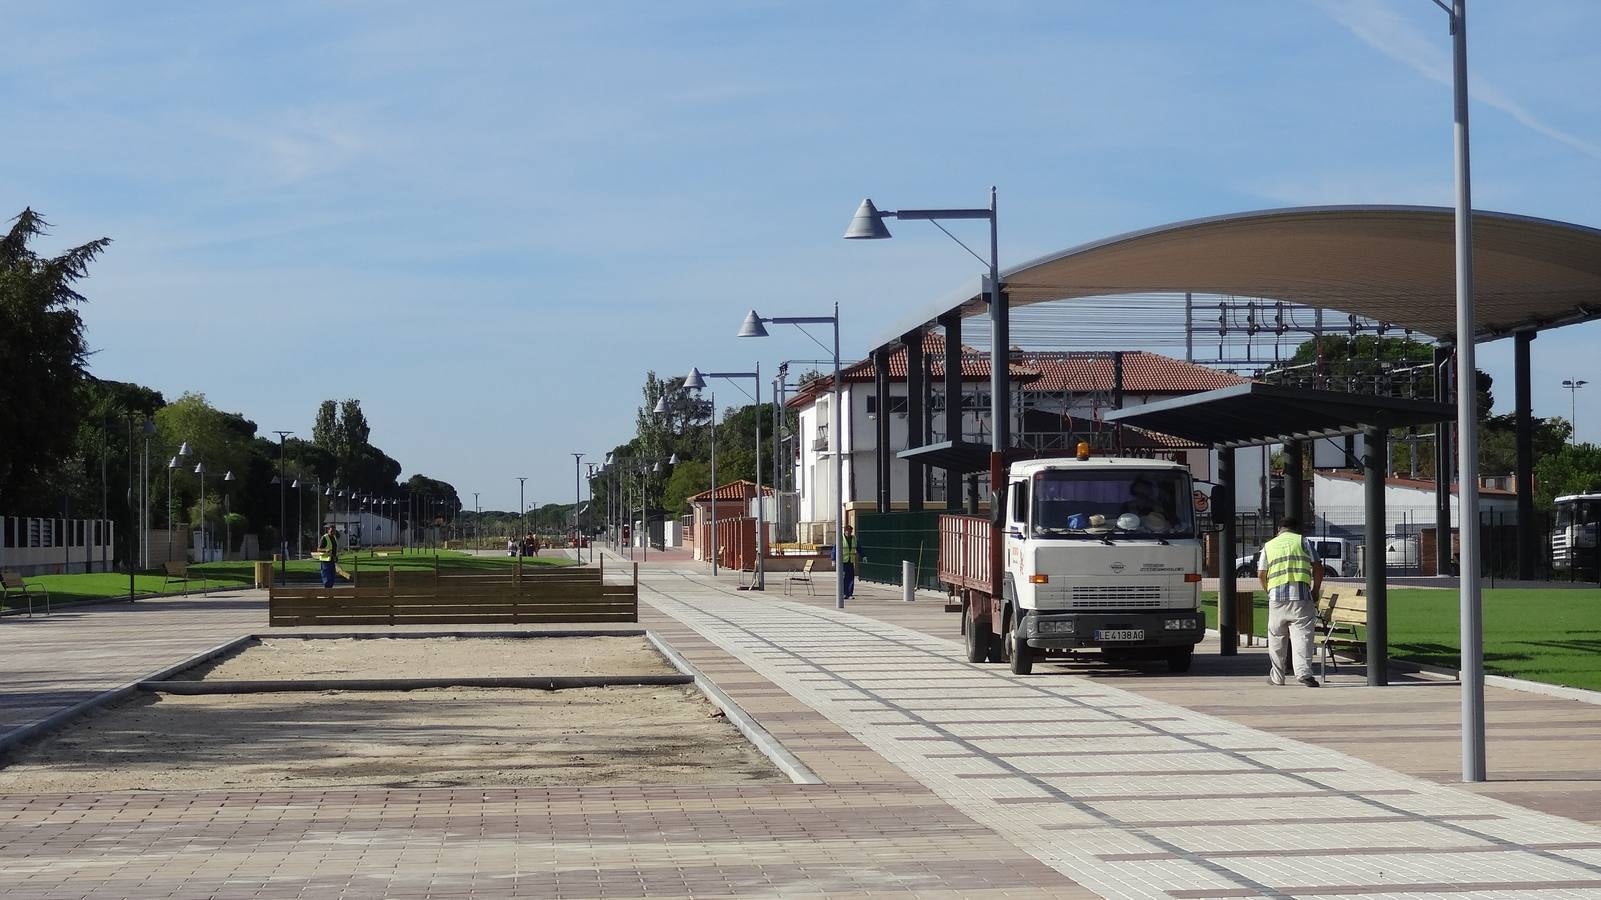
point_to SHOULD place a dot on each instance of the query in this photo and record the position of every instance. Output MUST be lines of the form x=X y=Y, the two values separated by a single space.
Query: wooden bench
x=177 y=570
x=804 y=576
x=391 y=597
x=12 y=583
x=1340 y=616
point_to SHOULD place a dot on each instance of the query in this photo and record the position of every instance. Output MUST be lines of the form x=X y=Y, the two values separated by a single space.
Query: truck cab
x=1097 y=553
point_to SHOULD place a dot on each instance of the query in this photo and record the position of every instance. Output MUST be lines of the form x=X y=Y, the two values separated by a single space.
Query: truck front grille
x=1130 y=596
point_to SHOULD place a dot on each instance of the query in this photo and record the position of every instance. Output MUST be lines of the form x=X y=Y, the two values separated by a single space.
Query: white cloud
x=1379 y=26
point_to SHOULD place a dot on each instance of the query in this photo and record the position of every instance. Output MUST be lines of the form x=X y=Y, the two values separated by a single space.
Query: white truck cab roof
x=1027 y=468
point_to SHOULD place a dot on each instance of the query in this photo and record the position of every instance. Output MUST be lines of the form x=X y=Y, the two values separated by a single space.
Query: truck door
x=1017 y=513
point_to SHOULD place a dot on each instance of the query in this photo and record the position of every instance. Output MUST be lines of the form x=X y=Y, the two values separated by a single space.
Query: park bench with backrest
x=12 y=583
x=177 y=570
x=1342 y=621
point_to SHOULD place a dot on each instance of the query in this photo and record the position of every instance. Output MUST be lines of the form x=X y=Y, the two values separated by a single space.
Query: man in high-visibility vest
x=849 y=556
x=1292 y=575
x=329 y=546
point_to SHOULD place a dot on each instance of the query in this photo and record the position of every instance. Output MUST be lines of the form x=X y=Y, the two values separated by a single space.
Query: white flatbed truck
x=1089 y=553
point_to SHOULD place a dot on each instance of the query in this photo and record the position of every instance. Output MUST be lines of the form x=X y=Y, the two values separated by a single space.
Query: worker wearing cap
x=1292 y=576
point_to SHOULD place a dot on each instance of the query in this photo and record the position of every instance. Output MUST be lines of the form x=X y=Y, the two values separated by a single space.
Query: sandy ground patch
x=503 y=737
x=398 y=657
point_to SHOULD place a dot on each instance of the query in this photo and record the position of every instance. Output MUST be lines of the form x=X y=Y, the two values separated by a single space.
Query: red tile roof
x=1143 y=373
x=734 y=490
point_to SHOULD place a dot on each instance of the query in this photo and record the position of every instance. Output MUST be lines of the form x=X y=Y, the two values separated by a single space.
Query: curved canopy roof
x=1392 y=264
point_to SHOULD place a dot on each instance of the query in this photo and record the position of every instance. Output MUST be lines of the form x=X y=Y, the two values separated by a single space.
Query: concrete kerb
x=770 y=746
x=536 y=682
x=107 y=601
x=17 y=737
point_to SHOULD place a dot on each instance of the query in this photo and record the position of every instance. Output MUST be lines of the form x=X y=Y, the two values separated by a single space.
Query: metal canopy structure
x=1254 y=413
x=1393 y=264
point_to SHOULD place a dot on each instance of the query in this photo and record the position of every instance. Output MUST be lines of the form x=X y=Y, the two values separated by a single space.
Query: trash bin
x=1245 y=616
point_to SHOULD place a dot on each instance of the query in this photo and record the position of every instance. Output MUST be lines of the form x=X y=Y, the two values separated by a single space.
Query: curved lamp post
x=697 y=380
x=753 y=326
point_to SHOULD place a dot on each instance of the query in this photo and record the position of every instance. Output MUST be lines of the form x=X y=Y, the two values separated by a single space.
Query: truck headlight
x=1056 y=626
x=1179 y=624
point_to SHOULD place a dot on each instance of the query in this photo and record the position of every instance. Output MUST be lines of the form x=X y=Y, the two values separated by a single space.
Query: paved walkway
x=1129 y=795
x=944 y=779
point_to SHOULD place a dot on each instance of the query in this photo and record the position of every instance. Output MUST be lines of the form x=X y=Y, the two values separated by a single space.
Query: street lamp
x=1573 y=385
x=754 y=327
x=227 y=510
x=200 y=469
x=144 y=497
x=696 y=380
x=578 y=496
x=283 y=503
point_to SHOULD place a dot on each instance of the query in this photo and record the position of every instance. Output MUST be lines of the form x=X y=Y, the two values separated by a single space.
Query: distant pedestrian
x=1291 y=574
x=330 y=555
x=849 y=556
x=511 y=547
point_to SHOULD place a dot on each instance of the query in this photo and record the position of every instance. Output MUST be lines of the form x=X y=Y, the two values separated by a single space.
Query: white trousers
x=1291 y=626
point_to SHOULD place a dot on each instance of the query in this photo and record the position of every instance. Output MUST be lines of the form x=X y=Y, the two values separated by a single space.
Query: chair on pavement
x=12 y=583
x=804 y=576
x=177 y=571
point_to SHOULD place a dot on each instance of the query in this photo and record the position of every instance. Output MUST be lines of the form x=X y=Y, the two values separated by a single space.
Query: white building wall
x=1338 y=502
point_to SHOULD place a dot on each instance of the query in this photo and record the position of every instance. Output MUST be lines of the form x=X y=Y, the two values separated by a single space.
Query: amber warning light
x=1083 y=450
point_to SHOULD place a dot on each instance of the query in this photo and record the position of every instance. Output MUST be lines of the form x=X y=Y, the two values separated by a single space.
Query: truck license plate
x=1121 y=634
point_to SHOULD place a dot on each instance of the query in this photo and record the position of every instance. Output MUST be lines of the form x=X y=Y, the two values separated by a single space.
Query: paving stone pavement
x=943 y=780
x=1131 y=796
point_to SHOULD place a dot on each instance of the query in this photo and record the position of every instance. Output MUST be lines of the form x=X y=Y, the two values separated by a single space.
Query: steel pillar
x=952 y=322
x=1373 y=534
x=1528 y=545
x=1442 y=464
x=881 y=451
x=915 y=414
x=1223 y=507
x=1295 y=483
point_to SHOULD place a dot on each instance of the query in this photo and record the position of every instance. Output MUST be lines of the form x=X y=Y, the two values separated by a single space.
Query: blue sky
x=487 y=219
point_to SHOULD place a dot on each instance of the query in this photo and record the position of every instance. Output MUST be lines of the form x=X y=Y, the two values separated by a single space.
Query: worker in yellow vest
x=849 y=556
x=329 y=551
x=1292 y=575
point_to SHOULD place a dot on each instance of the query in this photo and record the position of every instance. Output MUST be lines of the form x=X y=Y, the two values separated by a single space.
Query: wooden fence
x=445 y=597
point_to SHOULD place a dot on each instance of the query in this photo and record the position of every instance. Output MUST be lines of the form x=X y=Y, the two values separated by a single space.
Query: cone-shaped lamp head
x=661 y=404
x=172 y=463
x=867 y=224
x=183 y=450
x=200 y=468
x=752 y=326
x=693 y=381
x=673 y=460
x=228 y=476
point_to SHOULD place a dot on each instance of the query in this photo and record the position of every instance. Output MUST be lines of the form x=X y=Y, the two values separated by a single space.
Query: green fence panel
x=886 y=539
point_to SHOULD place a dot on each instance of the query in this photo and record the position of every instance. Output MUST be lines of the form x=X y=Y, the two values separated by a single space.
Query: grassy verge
x=1552 y=636
x=241 y=573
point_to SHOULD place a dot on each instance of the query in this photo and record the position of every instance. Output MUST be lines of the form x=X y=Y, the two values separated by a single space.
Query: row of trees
x=75 y=445
x=644 y=466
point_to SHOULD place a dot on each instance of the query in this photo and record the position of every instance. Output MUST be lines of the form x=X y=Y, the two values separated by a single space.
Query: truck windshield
x=1122 y=503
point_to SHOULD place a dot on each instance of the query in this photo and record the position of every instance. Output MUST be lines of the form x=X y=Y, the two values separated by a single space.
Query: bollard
x=908 y=580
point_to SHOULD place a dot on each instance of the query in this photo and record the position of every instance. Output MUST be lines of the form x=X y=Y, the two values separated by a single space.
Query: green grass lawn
x=1549 y=635
x=241 y=573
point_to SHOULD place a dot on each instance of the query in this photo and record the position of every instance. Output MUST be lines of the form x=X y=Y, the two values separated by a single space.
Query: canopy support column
x=1442 y=464
x=915 y=414
x=1378 y=656
x=952 y=322
x=1223 y=507
x=881 y=453
x=1295 y=483
x=1526 y=535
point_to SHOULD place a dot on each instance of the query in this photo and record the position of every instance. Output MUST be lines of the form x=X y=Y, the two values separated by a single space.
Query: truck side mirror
x=1222 y=503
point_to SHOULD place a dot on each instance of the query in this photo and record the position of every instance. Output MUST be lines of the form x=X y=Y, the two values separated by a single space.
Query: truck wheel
x=978 y=637
x=1178 y=659
x=1018 y=652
